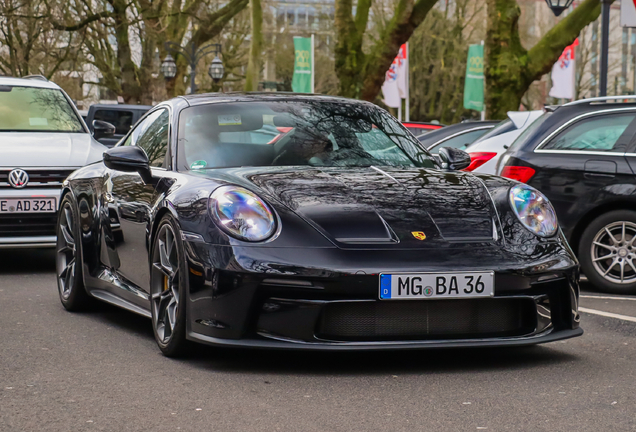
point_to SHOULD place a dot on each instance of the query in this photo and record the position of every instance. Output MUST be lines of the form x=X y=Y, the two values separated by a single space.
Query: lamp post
x=192 y=54
x=605 y=18
x=558 y=6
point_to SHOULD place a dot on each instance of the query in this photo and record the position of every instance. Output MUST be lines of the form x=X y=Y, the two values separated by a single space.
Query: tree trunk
x=360 y=74
x=256 y=47
x=510 y=68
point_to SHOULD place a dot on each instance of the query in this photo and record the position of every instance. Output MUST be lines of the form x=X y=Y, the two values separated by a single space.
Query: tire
x=611 y=235
x=168 y=279
x=68 y=259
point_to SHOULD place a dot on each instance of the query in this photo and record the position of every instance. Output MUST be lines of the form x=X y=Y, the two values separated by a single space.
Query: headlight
x=242 y=214
x=533 y=210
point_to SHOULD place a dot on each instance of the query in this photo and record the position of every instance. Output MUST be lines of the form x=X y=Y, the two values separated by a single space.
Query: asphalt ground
x=101 y=371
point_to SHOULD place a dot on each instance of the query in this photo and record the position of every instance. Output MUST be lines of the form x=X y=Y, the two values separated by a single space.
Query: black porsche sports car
x=310 y=222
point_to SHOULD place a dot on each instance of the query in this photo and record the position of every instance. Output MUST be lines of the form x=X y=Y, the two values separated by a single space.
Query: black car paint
x=580 y=186
x=270 y=293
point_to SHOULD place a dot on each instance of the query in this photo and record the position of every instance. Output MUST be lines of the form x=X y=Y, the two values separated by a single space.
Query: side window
x=122 y=120
x=153 y=137
x=597 y=134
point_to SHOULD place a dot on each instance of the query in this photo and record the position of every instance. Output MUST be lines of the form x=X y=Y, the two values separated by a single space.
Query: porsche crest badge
x=418 y=235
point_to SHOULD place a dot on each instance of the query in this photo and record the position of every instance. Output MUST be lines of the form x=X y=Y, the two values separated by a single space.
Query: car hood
x=46 y=149
x=405 y=208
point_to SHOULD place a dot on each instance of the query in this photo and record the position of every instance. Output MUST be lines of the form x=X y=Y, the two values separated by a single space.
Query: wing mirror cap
x=453 y=158
x=128 y=159
x=102 y=129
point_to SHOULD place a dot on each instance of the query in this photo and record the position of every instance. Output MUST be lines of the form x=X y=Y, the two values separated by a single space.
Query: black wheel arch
x=575 y=235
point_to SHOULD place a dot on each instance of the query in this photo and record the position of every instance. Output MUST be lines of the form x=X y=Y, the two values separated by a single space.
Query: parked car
x=459 y=135
x=340 y=234
x=486 y=151
x=42 y=140
x=582 y=156
x=123 y=117
x=421 y=128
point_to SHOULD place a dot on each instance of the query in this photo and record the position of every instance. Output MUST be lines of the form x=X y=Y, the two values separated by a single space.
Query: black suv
x=582 y=156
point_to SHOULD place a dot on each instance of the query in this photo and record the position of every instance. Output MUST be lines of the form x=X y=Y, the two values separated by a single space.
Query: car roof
x=122 y=106
x=207 y=98
x=434 y=136
x=35 y=81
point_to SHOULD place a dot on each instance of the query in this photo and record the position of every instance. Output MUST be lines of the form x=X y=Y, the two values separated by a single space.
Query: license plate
x=425 y=286
x=27 y=205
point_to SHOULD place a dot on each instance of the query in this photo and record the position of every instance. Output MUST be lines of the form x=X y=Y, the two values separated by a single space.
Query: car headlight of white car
x=242 y=214
x=533 y=210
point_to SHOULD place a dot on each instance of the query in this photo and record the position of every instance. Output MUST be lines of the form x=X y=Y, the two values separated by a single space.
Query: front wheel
x=607 y=252
x=68 y=260
x=167 y=290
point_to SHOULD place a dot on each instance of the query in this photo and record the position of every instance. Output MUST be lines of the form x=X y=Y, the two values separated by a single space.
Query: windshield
x=30 y=109
x=290 y=133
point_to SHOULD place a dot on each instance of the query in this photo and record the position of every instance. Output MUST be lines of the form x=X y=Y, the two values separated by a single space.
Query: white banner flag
x=564 y=74
x=628 y=13
x=394 y=87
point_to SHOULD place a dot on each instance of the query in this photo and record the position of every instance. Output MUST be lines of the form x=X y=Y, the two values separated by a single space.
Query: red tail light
x=519 y=173
x=477 y=159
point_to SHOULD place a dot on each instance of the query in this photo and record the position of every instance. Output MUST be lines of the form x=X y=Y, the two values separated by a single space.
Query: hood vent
x=351 y=224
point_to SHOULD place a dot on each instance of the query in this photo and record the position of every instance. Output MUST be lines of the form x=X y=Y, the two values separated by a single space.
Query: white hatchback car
x=42 y=140
x=486 y=151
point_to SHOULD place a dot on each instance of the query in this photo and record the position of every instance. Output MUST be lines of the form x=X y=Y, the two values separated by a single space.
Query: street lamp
x=168 y=67
x=192 y=56
x=558 y=6
x=216 y=70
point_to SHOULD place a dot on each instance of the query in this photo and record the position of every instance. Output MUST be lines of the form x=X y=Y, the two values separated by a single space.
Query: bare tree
x=29 y=43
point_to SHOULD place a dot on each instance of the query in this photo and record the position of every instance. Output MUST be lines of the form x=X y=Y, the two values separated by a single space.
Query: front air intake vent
x=426 y=319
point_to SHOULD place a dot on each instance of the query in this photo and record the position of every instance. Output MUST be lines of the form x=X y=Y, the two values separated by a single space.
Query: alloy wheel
x=614 y=253
x=66 y=251
x=165 y=284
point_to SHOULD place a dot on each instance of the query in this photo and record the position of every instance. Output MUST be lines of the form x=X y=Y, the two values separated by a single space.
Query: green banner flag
x=303 y=65
x=474 y=85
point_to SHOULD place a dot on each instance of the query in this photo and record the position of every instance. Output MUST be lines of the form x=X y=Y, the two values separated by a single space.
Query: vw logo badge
x=18 y=178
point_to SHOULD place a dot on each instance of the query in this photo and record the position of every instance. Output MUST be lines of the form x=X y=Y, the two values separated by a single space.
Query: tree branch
x=86 y=21
x=548 y=50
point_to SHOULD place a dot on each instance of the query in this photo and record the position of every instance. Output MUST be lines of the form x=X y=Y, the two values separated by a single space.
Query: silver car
x=42 y=140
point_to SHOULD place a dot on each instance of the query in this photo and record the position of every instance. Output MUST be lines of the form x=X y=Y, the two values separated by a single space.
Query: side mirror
x=129 y=159
x=453 y=159
x=102 y=129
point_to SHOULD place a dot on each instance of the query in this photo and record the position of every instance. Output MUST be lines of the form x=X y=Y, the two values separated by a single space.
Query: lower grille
x=427 y=319
x=26 y=225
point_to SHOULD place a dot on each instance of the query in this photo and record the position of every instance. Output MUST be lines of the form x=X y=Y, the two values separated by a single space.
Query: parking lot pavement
x=101 y=371
x=622 y=307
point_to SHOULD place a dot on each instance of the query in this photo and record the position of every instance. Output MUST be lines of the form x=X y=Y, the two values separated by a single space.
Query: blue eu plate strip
x=385 y=286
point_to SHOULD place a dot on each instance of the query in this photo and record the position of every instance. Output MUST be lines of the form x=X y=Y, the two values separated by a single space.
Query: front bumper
x=29 y=230
x=231 y=303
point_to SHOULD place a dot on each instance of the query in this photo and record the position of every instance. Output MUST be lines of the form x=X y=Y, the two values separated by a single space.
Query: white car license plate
x=27 y=205
x=424 y=286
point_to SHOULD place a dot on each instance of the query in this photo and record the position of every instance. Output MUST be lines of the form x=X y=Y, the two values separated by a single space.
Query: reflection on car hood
x=46 y=149
x=390 y=206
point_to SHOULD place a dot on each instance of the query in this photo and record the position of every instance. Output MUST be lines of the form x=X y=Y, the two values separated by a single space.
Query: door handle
x=598 y=175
